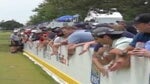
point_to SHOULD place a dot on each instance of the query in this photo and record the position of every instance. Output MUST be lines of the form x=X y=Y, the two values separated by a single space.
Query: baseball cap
x=142 y=18
x=99 y=31
x=80 y=24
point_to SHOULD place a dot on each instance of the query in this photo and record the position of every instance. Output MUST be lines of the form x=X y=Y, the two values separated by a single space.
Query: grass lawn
x=18 y=69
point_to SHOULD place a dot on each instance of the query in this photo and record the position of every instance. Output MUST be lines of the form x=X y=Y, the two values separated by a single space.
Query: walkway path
x=18 y=69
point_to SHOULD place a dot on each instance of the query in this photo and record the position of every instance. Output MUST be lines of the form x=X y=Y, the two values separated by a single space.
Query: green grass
x=18 y=69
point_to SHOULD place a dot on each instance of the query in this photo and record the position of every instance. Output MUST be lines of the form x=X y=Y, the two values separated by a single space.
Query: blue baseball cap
x=142 y=18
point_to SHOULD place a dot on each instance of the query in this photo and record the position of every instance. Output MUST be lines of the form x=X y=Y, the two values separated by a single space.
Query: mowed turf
x=18 y=69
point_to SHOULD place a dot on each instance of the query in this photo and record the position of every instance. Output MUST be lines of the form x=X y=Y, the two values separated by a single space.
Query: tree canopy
x=51 y=9
x=10 y=24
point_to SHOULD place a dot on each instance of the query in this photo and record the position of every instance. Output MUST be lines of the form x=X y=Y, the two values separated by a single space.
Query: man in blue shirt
x=76 y=37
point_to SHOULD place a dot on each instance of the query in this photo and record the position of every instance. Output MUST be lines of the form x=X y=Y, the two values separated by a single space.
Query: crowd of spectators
x=113 y=43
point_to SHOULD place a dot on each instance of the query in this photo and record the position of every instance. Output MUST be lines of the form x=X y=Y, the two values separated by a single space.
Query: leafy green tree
x=10 y=25
x=51 y=9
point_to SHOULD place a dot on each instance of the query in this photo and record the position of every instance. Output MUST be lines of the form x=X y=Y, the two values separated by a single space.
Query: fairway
x=18 y=69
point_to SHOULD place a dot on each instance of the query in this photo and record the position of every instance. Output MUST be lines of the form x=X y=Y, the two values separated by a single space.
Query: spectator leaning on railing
x=76 y=36
x=61 y=39
x=46 y=37
x=110 y=39
x=98 y=45
x=142 y=23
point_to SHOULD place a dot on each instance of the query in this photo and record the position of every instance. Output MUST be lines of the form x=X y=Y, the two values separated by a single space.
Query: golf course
x=15 y=68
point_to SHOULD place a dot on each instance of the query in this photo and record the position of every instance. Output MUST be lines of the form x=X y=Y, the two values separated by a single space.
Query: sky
x=18 y=10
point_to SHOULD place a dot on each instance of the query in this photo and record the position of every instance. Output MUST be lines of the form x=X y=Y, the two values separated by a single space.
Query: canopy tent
x=66 y=18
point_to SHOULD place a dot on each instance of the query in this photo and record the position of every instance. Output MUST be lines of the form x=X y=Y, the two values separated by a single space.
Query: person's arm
x=86 y=46
x=122 y=53
x=140 y=52
x=54 y=49
x=64 y=42
x=100 y=60
x=56 y=44
x=71 y=49
x=99 y=65
x=119 y=61
x=122 y=58
x=125 y=52
x=72 y=40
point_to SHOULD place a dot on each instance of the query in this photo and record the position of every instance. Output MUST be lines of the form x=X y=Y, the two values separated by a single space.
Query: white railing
x=78 y=68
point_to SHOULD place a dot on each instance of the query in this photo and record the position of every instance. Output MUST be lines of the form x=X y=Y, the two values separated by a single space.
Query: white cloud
x=19 y=10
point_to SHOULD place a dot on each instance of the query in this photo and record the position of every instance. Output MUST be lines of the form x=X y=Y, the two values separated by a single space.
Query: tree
x=10 y=25
x=51 y=9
